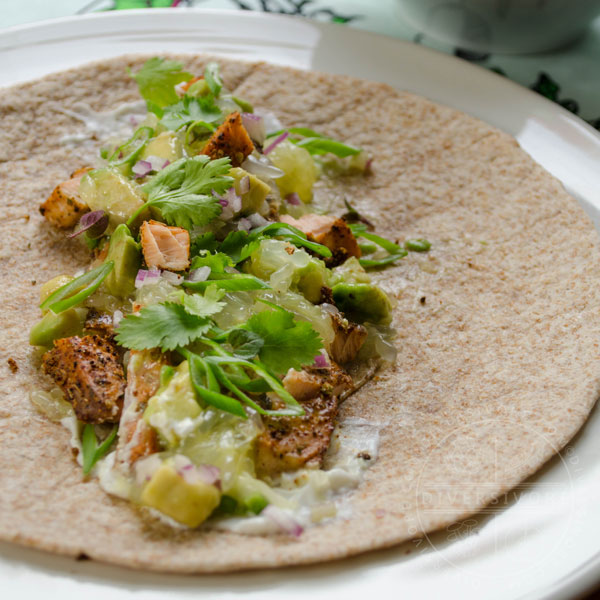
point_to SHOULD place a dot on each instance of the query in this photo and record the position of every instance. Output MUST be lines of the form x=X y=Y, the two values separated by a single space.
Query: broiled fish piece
x=64 y=206
x=348 y=340
x=230 y=139
x=136 y=438
x=331 y=232
x=100 y=323
x=165 y=247
x=289 y=443
x=89 y=372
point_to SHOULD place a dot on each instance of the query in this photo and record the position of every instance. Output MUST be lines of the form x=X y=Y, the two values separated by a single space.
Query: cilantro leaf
x=204 y=305
x=287 y=343
x=213 y=78
x=246 y=344
x=165 y=326
x=157 y=80
x=182 y=192
x=217 y=262
x=206 y=241
x=190 y=110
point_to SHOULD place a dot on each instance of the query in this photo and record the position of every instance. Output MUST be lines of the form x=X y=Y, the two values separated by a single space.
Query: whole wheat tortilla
x=498 y=325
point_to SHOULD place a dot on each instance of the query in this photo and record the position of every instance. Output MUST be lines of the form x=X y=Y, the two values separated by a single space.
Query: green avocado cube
x=258 y=190
x=55 y=326
x=362 y=302
x=126 y=254
x=187 y=503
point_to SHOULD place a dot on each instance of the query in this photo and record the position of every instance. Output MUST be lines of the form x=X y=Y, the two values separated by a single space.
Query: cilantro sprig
x=182 y=191
x=191 y=110
x=157 y=80
x=165 y=326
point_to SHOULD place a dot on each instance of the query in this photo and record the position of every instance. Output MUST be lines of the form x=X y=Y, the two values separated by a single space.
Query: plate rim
x=583 y=578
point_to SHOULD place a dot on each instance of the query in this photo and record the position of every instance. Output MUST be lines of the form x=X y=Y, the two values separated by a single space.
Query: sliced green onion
x=206 y=386
x=92 y=453
x=418 y=245
x=294 y=409
x=78 y=290
x=132 y=148
x=395 y=252
x=193 y=126
x=232 y=282
x=320 y=145
x=291 y=234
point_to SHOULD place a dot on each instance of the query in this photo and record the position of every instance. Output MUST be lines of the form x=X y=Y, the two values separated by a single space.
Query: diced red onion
x=148 y=165
x=321 y=361
x=95 y=223
x=293 y=199
x=200 y=274
x=275 y=142
x=261 y=168
x=244 y=224
x=255 y=127
x=172 y=278
x=257 y=220
x=223 y=202
x=369 y=166
x=117 y=318
x=210 y=474
x=272 y=123
x=146 y=467
x=147 y=277
x=245 y=184
x=283 y=520
x=141 y=168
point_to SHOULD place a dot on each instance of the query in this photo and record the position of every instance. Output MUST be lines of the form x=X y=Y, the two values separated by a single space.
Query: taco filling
x=201 y=359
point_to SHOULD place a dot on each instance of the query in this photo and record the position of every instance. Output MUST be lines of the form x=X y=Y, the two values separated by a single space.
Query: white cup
x=501 y=26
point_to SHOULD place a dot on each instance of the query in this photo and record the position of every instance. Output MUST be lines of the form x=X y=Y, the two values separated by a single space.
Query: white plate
x=542 y=541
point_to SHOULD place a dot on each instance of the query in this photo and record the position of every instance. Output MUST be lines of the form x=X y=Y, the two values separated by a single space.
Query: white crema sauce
x=98 y=125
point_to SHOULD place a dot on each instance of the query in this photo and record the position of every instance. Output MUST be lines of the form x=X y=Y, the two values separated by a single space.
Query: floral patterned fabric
x=569 y=76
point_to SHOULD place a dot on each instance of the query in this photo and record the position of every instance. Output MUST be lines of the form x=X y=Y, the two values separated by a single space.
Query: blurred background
x=550 y=46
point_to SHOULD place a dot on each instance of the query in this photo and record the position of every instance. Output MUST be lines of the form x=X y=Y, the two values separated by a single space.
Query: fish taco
x=256 y=317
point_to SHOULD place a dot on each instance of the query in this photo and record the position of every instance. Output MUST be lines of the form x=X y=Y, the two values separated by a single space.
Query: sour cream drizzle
x=118 y=122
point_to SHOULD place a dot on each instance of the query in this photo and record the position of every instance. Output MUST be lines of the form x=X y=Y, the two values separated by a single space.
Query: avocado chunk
x=362 y=302
x=165 y=145
x=186 y=502
x=108 y=190
x=55 y=326
x=126 y=254
x=254 y=198
x=311 y=279
x=172 y=404
x=52 y=285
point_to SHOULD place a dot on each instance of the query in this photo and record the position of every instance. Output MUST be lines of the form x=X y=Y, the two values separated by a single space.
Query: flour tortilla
x=498 y=325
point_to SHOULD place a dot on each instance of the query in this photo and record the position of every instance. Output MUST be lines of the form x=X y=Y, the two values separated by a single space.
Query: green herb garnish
x=128 y=152
x=204 y=305
x=316 y=143
x=287 y=343
x=157 y=80
x=191 y=110
x=182 y=191
x=213 y=78
x=77 y=290
x=92 y=453
x=165 y=326
x=395 y=252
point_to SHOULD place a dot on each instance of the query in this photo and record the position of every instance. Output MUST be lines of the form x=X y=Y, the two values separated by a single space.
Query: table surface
x=569 y=76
